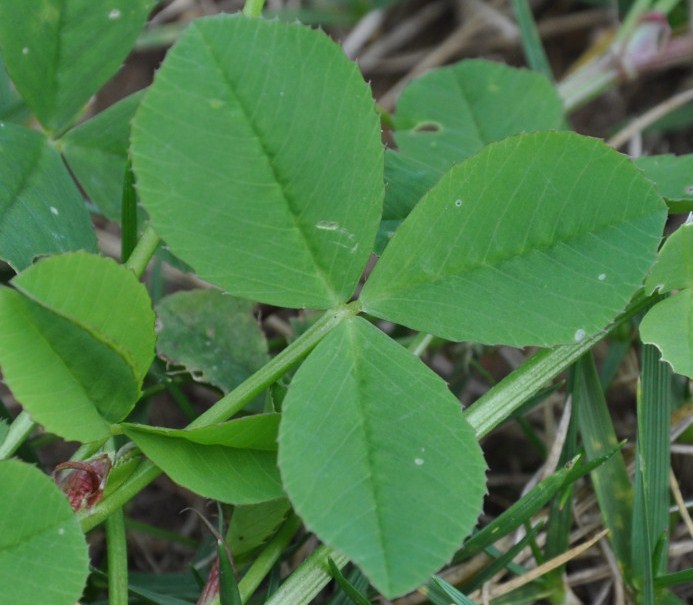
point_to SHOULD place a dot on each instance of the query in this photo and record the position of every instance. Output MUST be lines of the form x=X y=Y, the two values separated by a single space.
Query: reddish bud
x=211 y=589
x=83 y=482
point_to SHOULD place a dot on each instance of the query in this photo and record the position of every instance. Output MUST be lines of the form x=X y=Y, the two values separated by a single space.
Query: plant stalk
x=144 y=250
x=117 y=559
x=226 y=407
x=19 y=430
x=253 y=8
x=309 y=579
x=501 y=400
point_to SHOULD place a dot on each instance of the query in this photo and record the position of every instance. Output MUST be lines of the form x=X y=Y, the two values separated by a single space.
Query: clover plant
x=258 y=162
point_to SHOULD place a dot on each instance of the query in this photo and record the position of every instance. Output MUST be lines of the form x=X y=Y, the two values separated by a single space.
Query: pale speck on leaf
x=580 y=335
x=602 y=276
x=418 y=461
x=25 y=50
x=54 y=211
x=114 y=14
x=458 y=203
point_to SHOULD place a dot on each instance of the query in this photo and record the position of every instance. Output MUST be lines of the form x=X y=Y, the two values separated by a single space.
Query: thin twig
x=678 y=497
x=543 y=569
x=650 y=116
x=362 y=32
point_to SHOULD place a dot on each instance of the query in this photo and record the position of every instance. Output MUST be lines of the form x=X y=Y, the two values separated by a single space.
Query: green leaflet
x=669 y=324
x=530 y=242
x=233 y=462
x=60 y=52
x=266 y=178
x=213 y=335
x=84 y=325
x=491 y=101
x=672 y=175
x=43 y=554
x=97 y=150
x=41 y=209
x=375 y=456
x=674 y=267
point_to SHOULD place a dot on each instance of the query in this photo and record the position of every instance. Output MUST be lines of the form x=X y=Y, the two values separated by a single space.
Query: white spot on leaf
x=25 y=50
x=580 y=335
x=114 y=14
x=602 y=276
x=458 y=203
x=327 y=226
x=54 y=211
x=418 y=461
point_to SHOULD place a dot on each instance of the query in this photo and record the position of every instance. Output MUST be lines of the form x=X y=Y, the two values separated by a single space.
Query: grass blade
x=522 y=510
x=531 y=42
x=651 y=510
x=351 y=591
x=441 y=592
x=611 y=484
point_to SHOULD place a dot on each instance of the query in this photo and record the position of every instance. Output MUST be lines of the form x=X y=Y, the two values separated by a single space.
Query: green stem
x=19 y=430
x=420 y=343
x=226 y=407
x=277 y=367
x=144 y=250
x=267 y=558
x=499 y=402
x=253 y=8
x=309 y=579
x=117 y=559
x=639 y=8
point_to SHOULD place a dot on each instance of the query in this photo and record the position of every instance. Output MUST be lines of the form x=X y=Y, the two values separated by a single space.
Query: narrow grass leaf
x=43 y=553
x=359 y=581
x=523 y=510
x=531 y=41
x=642 y=567
x=214 y=336
x=503 y=560
x=228 y=586
x=676 y=578
x=672 y=177
x=441 y=592
x=85 y=325
x=374 y=454
x=96 y=151
x=233 y=462
x=570 y=269
x=41 y=209
x=611 y=484
x=236 y=171
x=352 y=593
x=60 y=53
x=651 y=510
